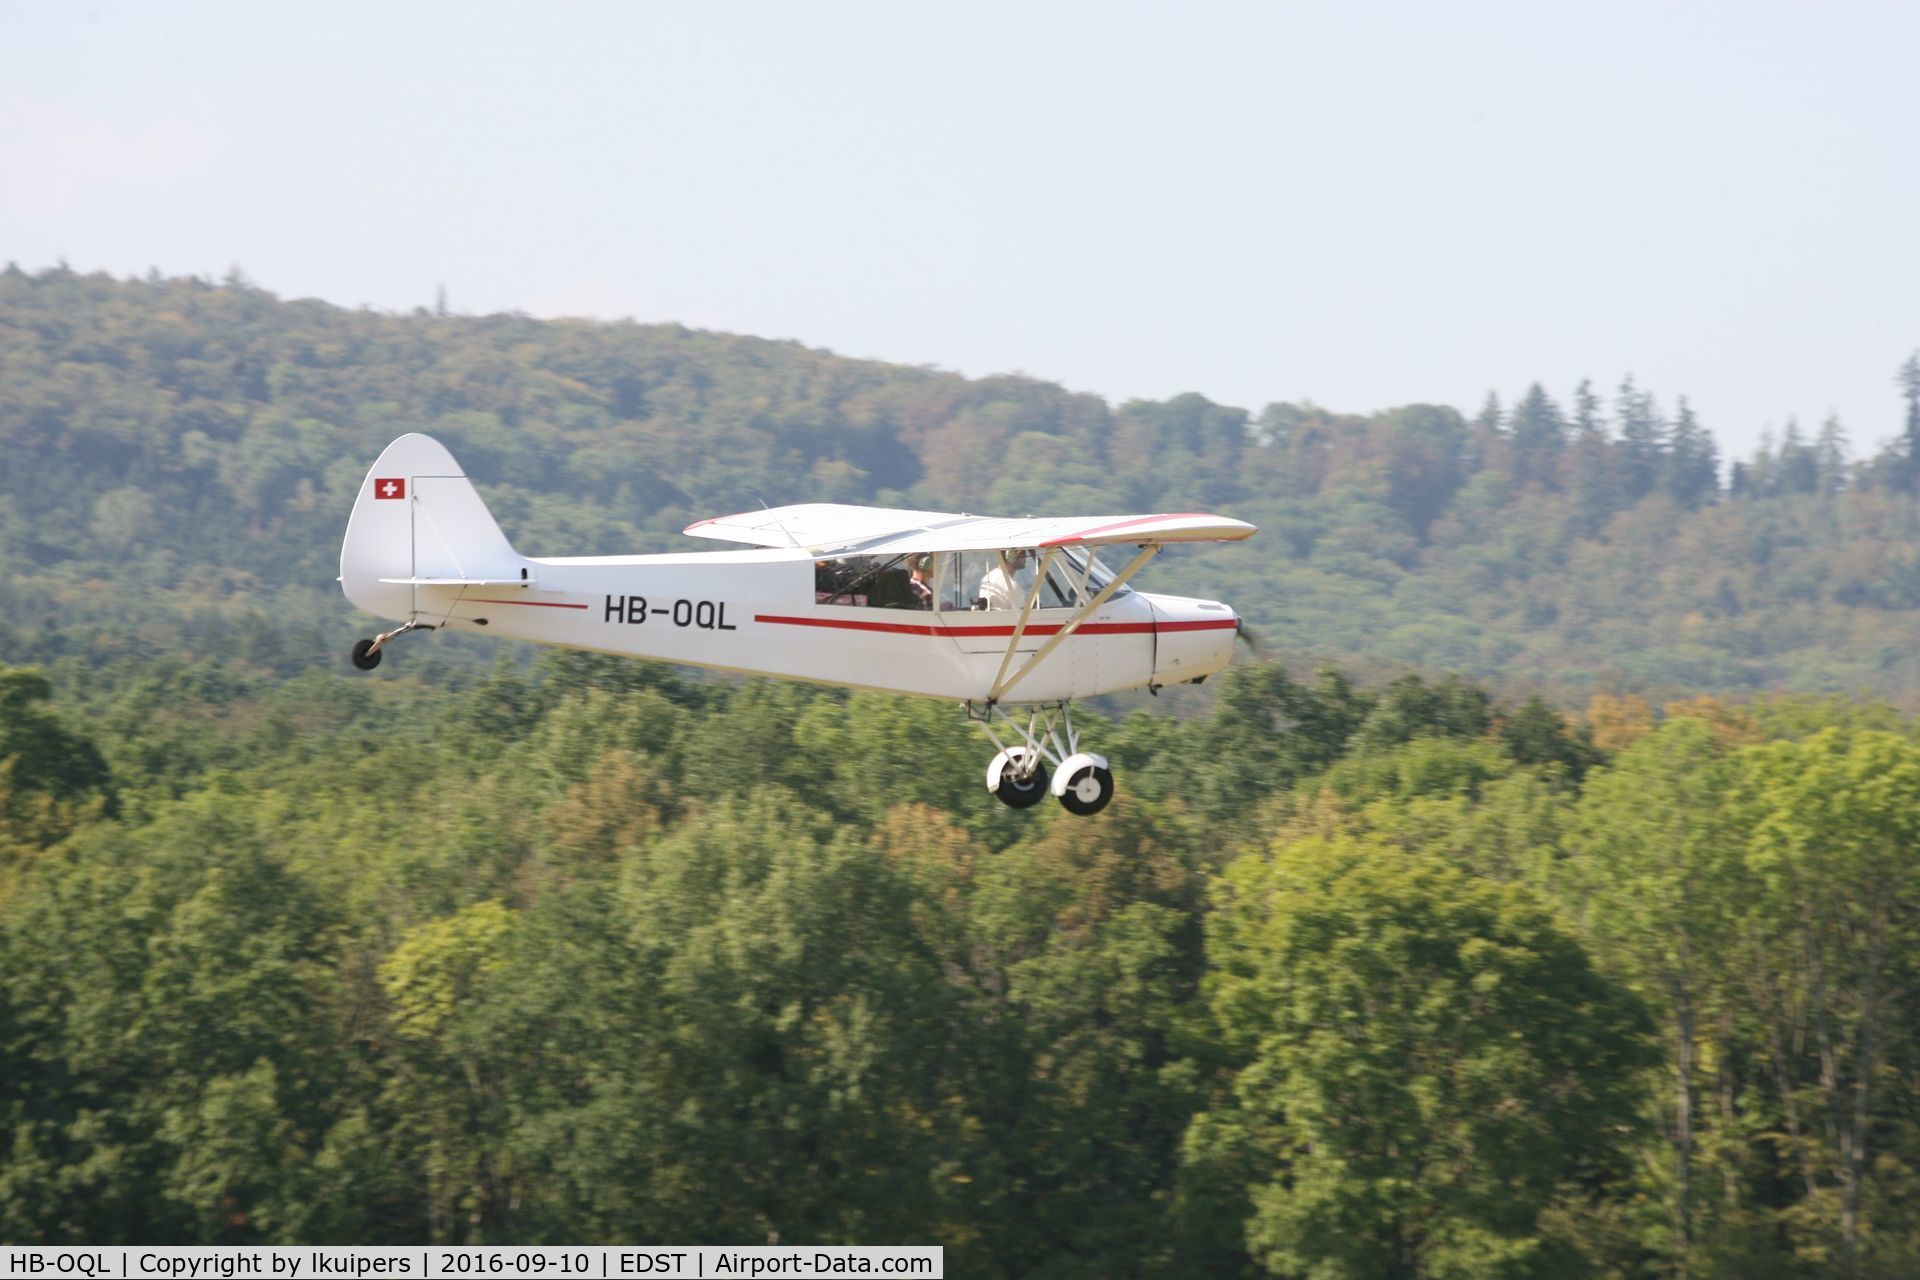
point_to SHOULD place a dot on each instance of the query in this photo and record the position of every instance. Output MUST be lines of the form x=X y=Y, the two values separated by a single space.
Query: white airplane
x=1004 y=615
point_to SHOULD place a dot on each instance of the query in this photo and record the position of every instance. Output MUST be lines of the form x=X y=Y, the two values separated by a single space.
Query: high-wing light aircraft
x=1015 y=618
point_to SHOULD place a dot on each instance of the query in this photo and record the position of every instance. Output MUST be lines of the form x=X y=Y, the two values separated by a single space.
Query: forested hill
x=177 y=460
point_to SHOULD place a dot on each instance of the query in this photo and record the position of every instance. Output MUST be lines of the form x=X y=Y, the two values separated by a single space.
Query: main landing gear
x=366 y=653
x=1018 y=775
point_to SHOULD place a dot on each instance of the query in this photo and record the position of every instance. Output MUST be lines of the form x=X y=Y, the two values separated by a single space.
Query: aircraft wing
x=823 y=526
x=988 y=533
x=819 y=525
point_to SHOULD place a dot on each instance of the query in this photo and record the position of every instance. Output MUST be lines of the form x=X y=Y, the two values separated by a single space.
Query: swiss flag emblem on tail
x=394 y=488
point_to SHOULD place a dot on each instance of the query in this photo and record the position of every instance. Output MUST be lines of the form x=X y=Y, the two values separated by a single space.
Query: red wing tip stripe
x=1127 y=524
x=531 y=604
x=1043 y=629
x=698 y=524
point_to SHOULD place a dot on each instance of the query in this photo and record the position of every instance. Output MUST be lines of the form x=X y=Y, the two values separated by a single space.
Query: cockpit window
x=884 y=582
x=1003 y=580
x=962 y=580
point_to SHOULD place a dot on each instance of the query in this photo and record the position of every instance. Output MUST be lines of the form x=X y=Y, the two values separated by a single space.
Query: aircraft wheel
x=1088 y=791
x=1014 y=791
x=365 y=656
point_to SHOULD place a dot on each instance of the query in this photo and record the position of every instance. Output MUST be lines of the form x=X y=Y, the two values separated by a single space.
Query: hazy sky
x=1360 y=205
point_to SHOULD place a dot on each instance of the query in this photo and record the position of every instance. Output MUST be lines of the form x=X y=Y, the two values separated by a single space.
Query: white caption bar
x=597 y=1262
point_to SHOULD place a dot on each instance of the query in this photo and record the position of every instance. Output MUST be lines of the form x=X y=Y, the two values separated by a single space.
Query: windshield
x=1004 y=579
x=1078 y=558
x=962 y=580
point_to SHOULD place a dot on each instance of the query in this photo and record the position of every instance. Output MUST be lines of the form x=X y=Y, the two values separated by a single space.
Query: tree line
x=177 y=458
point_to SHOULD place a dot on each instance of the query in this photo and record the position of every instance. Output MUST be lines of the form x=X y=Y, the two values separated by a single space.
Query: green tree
x=454 y=1084
x=1594 y=483
x=1797 y=465
x=48 y=773
x=1536 y=734
x=1830 y=454
x=1834 y=822
x=1908 y=380
x=1266 y=730
x=1426 y=1062
x=1410 y=707
x=1082 y=969
x=1657 y=876
x=786 y=1078
x=1537 y=436
x=1491 y=419
x=1693 y=462
x=169 y=1035
x=1642 y=439
x=1422 y=449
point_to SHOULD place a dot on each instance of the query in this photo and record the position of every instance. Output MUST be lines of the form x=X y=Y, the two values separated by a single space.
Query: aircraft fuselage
x=758 y=612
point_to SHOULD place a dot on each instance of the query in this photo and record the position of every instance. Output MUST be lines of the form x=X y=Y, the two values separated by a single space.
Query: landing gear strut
x=366 y=653
x=1018 y=775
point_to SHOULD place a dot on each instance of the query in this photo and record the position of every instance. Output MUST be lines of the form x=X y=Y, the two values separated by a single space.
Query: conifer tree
x=1693 y=463
x=1586 y=411
x=1830 y=455
x=1539 y=434
x=1763 y=468
x=1589 y=464
x=1642 y=439
x=1909 y=382
x=1798 y=469
x=1490 y=418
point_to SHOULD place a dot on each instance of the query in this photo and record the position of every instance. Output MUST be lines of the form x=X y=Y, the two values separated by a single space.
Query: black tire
x=1016 y=792
x=1075 y=803
x=365 y=656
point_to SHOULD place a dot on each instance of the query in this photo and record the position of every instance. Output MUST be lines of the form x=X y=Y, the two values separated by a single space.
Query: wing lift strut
x=1018 y=773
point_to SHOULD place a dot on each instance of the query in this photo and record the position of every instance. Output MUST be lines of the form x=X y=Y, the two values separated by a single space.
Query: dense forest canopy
x=1368 y=971
x=1350 y=982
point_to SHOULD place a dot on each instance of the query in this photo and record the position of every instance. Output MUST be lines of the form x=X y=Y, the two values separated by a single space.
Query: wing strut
x=1003 y=682
x=1020 y=627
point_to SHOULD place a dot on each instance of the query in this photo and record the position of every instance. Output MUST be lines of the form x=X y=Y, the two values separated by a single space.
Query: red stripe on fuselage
x=1201 y=624
x=532 y=604
x=1039 y=629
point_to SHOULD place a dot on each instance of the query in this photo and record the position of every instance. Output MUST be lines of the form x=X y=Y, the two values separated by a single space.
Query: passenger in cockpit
x=997 y=588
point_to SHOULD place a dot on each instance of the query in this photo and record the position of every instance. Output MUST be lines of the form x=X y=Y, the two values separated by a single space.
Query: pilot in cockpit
x=920 y=580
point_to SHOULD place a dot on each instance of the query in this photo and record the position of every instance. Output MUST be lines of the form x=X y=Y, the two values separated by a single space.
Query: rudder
x=417 y=518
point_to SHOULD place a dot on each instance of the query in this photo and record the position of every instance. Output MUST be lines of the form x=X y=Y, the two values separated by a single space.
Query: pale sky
x=1358 y=205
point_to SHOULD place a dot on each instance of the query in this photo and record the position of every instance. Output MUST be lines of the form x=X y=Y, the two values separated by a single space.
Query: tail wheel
x=1088 y=791
x=1017 y=792
x=365 y=656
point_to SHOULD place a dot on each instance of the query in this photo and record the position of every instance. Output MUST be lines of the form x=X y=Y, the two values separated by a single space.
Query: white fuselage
x=758 y=612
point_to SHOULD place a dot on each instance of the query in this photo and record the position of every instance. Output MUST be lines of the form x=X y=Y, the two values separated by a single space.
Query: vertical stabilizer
x=419 y=517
